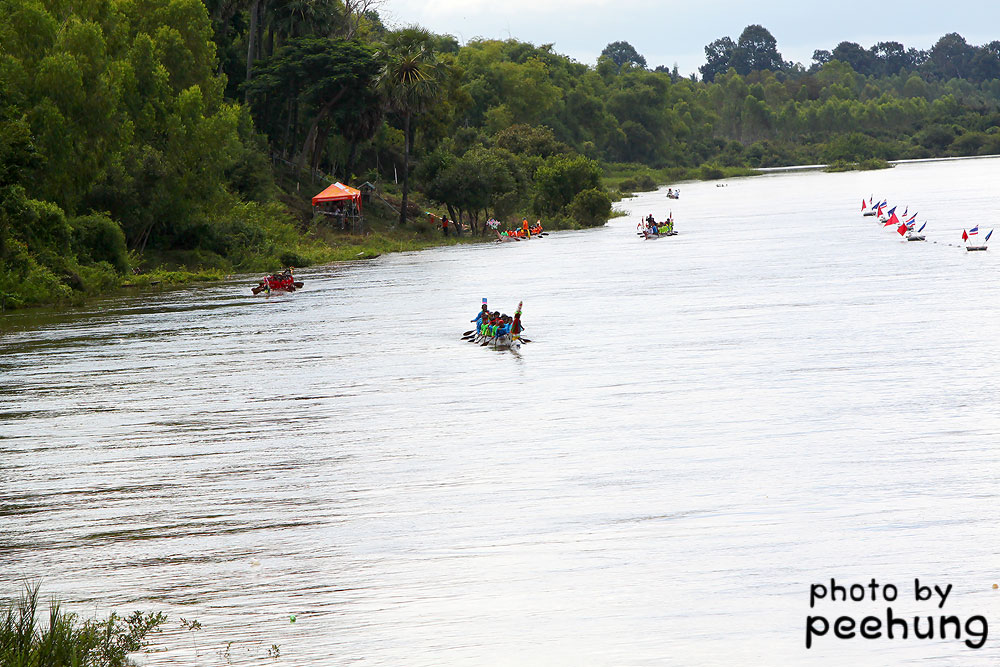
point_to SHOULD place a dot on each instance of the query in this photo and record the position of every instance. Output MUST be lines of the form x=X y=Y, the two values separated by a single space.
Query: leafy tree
x=529 y=140
x=890 y=58
x=409 y=83
x=985 y=64
x=718 y=56
x=332 y=77
x=821 y=57
x=624 y=56
x=756 y=50
x=855 y=55
x=951 y=57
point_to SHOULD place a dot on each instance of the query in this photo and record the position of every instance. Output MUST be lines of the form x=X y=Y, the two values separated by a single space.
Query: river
x=702 y=427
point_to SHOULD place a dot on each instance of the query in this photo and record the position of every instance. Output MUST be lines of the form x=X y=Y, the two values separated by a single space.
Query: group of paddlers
x=283 y=281
x=525 y=231
x=650 y=226
x=497 y=324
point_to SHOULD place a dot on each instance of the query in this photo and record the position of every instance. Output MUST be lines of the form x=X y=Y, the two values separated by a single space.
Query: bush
x=560 y=178
x=289 y=258
x=24 y=281
x=969 y=143
x=874 y=163
x=591 y=207
x=422 y=227
x=710 y=172
x=98 y=238
x=641 y=183
x=841 y=165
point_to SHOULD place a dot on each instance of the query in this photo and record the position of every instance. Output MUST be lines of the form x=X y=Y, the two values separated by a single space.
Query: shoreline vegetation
x=181 y=140
x=870 y=164
x=29 y=637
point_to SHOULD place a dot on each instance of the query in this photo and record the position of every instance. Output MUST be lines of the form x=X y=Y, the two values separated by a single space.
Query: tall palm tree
x=409 y=81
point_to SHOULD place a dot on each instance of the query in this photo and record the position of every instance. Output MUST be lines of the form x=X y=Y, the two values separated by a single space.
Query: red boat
x=278 y=282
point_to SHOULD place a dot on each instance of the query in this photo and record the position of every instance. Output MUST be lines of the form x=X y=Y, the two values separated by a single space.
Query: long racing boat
x=505 y=342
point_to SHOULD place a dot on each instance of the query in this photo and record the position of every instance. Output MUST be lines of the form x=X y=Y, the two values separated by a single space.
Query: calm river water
x=702 y=427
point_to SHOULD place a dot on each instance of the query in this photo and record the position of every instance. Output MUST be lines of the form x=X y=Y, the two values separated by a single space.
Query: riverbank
x=627 y=179
x=261 y=238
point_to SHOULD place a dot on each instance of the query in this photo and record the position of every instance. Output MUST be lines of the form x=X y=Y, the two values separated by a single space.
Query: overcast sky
x=670 y=31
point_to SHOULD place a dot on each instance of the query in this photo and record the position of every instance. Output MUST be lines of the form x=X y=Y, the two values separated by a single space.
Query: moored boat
x=967 y=237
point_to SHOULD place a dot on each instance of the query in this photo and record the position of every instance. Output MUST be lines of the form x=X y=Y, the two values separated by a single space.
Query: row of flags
x=966 y=235
x=904 y=224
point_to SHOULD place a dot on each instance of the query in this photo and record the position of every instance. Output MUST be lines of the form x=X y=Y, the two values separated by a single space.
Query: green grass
x=62 y=639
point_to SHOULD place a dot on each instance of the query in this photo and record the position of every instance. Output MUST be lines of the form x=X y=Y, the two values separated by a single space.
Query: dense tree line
x=130 y=128
x=951 y=57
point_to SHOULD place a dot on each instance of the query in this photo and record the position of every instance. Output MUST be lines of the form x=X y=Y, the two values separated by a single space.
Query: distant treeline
x=951 y=57
x=141 y=129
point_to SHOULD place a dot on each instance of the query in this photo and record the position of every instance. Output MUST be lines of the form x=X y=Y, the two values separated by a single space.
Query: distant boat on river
x=967 y=237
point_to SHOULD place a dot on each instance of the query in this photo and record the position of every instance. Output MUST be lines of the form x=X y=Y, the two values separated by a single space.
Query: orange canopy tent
x=339 y=192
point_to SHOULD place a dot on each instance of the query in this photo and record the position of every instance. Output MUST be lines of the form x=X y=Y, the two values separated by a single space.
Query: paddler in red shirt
x=516 y=327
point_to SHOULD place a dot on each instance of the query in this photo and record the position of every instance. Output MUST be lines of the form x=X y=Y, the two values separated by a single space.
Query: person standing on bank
x=444 y=225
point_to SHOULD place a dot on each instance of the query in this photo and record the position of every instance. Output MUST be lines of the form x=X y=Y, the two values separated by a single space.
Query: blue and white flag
x=988 y=236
